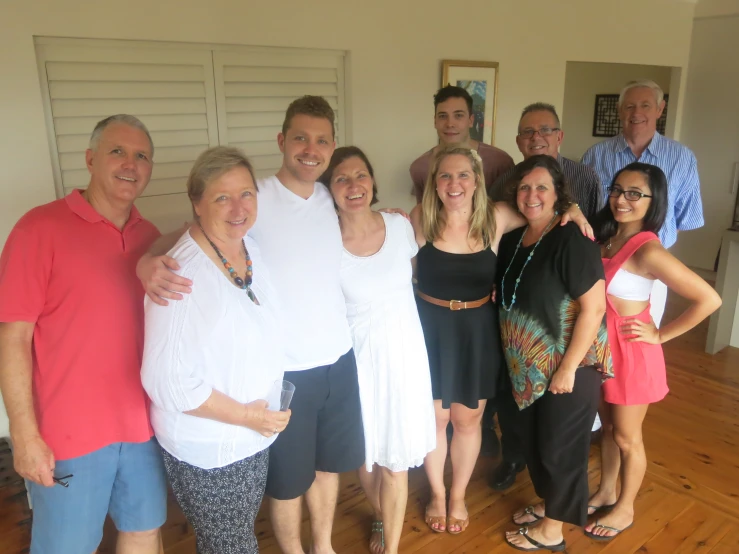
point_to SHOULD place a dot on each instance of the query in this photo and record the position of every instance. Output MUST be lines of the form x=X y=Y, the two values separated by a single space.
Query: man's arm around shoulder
x=156 y=270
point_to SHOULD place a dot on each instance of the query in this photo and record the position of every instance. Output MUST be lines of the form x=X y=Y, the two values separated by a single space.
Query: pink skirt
x=640 y=376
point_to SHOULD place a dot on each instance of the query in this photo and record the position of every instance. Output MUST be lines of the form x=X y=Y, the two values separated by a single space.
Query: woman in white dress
x=394 y=379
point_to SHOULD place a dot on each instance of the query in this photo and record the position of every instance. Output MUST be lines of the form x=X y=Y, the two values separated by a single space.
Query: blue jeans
x=125 y=479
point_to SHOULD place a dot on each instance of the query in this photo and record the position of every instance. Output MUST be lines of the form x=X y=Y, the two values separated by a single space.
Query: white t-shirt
x=214 y=338
x=300 y=241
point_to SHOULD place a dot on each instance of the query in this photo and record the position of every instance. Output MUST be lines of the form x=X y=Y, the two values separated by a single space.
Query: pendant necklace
x=244 y=284
x=518 y=279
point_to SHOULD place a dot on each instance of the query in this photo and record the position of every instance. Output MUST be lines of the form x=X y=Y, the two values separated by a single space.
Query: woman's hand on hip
x=563 y=381
x=264 y=421
x=641 y=331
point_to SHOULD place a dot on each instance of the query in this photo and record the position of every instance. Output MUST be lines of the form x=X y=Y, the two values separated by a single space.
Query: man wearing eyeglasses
x=453 y=119
x=640 y=105
x=539 y=132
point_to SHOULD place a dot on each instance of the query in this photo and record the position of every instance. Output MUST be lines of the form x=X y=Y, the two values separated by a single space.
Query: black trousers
x=555 y=432
x=507 y=409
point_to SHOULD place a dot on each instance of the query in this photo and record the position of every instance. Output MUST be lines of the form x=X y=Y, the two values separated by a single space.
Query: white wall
x=711 y=130
x=395 y=49
x=582 y=82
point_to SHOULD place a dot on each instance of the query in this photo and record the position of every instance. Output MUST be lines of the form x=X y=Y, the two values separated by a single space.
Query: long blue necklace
x=518 y=279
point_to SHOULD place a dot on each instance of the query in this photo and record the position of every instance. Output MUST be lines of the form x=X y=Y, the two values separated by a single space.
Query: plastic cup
x=282 y=390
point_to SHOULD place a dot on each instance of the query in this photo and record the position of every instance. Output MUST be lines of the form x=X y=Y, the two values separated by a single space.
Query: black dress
x=463 y=346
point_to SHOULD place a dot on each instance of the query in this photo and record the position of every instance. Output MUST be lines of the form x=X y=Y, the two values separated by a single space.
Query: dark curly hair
x=561 y=188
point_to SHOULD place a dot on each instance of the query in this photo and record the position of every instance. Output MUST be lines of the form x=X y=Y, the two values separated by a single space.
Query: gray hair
x=125 y=119
x=540 y=107
x=659 y=94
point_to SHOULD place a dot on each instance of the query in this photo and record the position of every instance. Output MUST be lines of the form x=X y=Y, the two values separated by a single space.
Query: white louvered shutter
x=254 y=88
x=170 y=90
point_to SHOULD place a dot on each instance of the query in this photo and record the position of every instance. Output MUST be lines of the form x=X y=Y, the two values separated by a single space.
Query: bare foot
x=617 y=519
x=524 y=517
x=458 y=511
x=601 y=500
x=517 y=538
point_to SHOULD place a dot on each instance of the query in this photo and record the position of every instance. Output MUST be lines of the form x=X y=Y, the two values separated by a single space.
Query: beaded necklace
x=244 y=284
x=518 y=279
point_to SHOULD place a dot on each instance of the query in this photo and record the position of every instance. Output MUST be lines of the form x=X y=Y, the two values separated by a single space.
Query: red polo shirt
x=72 y=272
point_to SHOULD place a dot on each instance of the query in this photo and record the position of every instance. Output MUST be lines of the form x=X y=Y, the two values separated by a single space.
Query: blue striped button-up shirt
x=685 y=208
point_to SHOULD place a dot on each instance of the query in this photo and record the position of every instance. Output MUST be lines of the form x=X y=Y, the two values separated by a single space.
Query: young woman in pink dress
x=634 y=258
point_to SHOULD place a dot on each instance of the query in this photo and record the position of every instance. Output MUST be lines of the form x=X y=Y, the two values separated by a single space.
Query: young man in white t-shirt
x=298 y=235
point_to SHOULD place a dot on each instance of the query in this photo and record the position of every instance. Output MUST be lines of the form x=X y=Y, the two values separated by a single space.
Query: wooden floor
x=689 y=501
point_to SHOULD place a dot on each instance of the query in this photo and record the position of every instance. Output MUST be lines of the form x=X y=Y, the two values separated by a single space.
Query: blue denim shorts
x=125 y=479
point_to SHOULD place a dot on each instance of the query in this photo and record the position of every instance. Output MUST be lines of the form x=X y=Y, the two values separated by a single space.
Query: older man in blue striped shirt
x=640 y=106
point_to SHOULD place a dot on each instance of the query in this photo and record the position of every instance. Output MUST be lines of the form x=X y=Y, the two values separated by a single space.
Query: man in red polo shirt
x=71 y=341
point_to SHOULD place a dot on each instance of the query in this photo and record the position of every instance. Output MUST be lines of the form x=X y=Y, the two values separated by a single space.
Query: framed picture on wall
x=480 y=79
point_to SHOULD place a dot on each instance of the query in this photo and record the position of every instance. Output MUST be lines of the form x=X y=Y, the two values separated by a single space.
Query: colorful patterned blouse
x=537 y=330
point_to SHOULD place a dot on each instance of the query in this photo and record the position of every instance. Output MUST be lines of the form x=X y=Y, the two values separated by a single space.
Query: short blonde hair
x=210 y=165
x=482 y=219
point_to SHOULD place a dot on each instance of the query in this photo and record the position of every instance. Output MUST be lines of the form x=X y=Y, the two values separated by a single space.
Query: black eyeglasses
x=633 y=195
x=63 y=480
x=543 y=132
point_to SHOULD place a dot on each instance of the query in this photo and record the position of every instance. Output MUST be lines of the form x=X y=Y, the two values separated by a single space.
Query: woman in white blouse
x=212 y=358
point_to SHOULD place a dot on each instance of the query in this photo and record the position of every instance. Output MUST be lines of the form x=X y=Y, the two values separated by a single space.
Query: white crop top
x=629 y=286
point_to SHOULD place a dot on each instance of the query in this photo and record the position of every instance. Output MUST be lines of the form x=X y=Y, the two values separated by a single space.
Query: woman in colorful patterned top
x=634 y=258
x=551 y=297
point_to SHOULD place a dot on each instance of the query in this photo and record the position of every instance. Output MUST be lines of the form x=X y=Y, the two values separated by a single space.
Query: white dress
x=393 y=368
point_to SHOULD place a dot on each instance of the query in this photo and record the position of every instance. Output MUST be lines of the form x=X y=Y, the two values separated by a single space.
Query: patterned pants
x=221 y=503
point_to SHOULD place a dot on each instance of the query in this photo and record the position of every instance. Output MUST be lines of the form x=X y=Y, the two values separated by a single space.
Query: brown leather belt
x=454 y=305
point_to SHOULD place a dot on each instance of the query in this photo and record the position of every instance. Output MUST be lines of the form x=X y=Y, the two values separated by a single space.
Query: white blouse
x=214 y=338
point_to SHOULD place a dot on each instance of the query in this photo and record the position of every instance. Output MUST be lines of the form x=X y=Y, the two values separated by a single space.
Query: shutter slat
x=233 y=74
x=81 y=71
x=250 y=105
x=138 y=106
x=257 y=148
x=256 y=119
x=272 y=90
x=95 y=90
x=82 y=125
x=250 y=134
x=79 y=143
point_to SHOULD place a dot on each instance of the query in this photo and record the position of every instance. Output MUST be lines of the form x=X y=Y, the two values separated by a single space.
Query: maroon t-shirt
x=495 y=162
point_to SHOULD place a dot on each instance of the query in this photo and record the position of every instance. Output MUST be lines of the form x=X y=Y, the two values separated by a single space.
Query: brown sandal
x=461 y=523
x=435 y=520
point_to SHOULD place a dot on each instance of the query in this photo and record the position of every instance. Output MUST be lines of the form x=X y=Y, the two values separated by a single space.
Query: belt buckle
x=457 y=302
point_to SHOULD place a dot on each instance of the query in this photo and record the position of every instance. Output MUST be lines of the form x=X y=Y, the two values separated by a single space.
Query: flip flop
x=539 y=546
x=603 y=509
x=605 y=538
x=377 y=528
x=528 y=511
x=438 y=520
x=461 y=523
